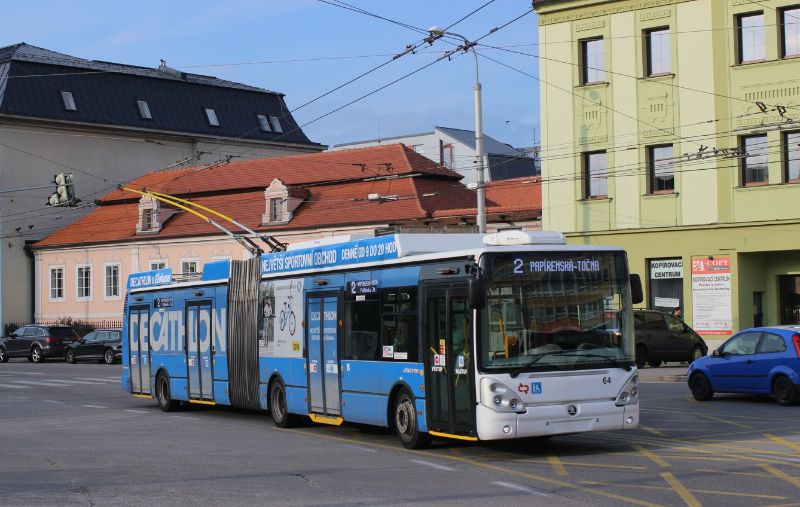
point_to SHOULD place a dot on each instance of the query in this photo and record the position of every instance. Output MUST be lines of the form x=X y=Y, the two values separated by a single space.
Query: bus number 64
x=606 y=380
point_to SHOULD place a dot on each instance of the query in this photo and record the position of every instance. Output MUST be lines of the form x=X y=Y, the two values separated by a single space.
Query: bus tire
x=405 y=422
x=163 y=397
x=278 y=406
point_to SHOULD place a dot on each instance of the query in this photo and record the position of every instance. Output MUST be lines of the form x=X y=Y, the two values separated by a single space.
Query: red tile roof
x=433 y=193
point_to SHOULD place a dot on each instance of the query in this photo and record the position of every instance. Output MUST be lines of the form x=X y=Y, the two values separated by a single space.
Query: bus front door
x=449 y=362
x=199 y=350
x=139 y=347
x=323 y=359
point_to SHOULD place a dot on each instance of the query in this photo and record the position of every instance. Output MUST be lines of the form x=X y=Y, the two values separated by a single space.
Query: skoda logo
x=572 y=409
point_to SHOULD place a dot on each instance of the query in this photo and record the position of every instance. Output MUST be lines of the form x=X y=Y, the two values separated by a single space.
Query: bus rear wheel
x=165 y=401
x=405 y=422
x=279 y=407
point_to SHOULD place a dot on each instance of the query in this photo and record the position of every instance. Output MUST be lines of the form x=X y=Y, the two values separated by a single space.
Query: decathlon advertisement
x=281 y=320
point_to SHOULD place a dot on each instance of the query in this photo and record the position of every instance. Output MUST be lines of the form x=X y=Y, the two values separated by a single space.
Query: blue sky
x=251 y=41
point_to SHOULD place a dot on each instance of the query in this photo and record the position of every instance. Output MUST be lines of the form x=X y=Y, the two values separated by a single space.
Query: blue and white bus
x=464 y=336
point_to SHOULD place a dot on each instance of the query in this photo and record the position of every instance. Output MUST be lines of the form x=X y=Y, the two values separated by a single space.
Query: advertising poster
x=711 y=295
x=281 y=320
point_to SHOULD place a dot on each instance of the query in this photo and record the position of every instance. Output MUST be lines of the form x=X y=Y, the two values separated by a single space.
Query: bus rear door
x=449 y=362
x=324 y=394
x=139 y=347
x=200 y=350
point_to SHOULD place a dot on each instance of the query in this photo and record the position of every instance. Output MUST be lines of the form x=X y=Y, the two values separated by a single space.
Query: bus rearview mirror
x=636 y=289
x=476 y=292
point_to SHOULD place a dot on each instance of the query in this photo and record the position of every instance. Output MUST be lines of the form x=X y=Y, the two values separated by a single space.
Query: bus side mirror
x=476 y=292
x=636 y=289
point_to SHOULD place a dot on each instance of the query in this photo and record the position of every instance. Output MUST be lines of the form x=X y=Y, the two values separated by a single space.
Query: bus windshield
x=549 y=311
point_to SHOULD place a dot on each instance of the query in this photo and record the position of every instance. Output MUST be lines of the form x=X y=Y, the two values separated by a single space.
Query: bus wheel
x=165 y=401
x=278 y=406
x=405 y=422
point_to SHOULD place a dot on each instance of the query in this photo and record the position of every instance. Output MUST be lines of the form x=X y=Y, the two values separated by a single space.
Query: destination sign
x=582 y=265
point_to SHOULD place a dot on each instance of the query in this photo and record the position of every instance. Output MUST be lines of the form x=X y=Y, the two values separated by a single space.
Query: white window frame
x=105 y=281
x=50 y=297
x=263 y=123
x=211 y=116
x=68 y=100
x=78 y=296
x=190 y=259
x=275 y=123
x=144 y=109
x=157 y=261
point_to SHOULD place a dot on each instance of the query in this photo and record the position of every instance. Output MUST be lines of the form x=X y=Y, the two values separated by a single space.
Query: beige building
x=105 y=124
x=670 y=127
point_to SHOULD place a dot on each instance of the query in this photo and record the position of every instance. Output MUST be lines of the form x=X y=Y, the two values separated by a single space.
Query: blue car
x=760 y=360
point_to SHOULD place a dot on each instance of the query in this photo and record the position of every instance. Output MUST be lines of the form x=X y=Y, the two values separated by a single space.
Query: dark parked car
x=761 y=360
x=37 y=342
x=104 y=345
x=662 y=337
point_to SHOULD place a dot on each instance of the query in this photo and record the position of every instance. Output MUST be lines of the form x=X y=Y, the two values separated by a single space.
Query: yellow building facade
x=672 y=128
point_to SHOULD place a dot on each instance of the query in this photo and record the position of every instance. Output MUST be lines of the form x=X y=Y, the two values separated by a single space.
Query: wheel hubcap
x=35 y=354
x=404 y=417
x=277 y=403
x=162 y=397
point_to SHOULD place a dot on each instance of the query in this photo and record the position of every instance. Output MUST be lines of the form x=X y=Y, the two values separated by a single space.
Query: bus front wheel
x=405 y=422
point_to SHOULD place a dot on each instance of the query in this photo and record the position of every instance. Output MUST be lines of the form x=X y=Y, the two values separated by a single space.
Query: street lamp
x=436 y=33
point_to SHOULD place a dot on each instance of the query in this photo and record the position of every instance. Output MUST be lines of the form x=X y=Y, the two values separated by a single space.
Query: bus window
x=362 y=330
x=399 y=316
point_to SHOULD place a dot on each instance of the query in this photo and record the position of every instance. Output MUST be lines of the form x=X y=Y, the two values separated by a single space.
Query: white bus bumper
x=556 y=420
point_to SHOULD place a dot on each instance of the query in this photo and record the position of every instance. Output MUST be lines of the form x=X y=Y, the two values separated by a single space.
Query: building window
x=158 y=264
x=661 y=169
x=263 y=123
x=666 y=284
x=275 y=205
x=147 y=220
x=592 y=61
x=659 y=54
x=790 y=31
x=596 y=174
x=750 y=28
x=144 y=110
x=84 y=282
x=57 y=283
x=754 y=161
x=69 y=101
x=276 y=124
x=188 y=267
x=792 y=156
x=447 y=156
x=211 y=116
x=112 y=280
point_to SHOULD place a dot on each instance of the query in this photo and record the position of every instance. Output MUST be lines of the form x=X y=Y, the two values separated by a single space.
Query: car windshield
x=63 y=332
x=556 y=310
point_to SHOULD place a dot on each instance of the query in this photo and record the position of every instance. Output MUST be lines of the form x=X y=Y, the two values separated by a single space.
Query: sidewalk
x=667 y=372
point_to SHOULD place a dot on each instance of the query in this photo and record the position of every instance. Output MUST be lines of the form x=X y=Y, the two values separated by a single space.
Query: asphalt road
x=70 y=436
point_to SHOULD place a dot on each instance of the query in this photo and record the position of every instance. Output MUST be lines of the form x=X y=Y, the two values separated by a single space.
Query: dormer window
x=276 y=124
x=281 y=201
x=263 y=123
x=69 y=101
x=275 y=208
x=149 y=221
x=211 y=116
x=144 y=110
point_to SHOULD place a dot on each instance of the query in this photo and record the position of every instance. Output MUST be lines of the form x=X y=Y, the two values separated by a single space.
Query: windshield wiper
x=569 y=353
x=516 y=371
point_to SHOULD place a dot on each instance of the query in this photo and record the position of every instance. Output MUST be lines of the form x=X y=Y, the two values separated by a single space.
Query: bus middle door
x=324 y=395
x=200 y=350
x=449 y=362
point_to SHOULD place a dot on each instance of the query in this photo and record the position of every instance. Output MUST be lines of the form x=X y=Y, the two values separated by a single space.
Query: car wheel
x=108 y=356
x=36 y=354
x=701 y=387
x=784 y=391
x=279 y=407
x=405 y=422
x=697 y=353
x=3 y=355
x=641 y=357
x=163 y=397
x=654 y=364
x=70 y=356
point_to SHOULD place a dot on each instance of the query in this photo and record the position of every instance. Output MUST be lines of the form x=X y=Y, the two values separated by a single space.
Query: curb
x=665 y=378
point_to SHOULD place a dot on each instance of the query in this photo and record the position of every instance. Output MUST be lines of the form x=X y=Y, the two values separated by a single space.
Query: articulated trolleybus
x=464 y=336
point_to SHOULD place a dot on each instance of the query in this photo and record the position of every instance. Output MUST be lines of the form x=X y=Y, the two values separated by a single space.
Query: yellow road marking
x=724 y=421
x=557 y=465
x=726 y=472
x=488 y=466
x=794 y=481
x=793 y=504
x=652 y=430
x=783 y=442
x=455 y=437
x=686 y=495
x=650 y=455
x=703 y=491
x=577 y=464
x=751 y=450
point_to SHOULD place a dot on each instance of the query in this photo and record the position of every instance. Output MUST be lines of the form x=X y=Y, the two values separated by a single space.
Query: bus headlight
x=499 y=397
x=629 y=395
